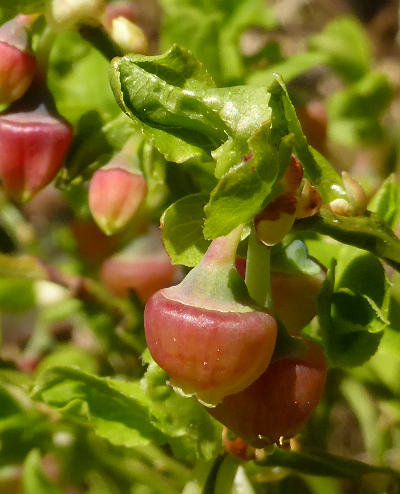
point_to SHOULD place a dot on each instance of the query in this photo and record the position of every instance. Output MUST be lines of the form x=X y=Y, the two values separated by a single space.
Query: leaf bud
x=309 y=201
x=356 y=194
x=128 y=36
x=119 y=9
x=66 y=14
x=293 y=176
x=17 y=64
x=34 y=140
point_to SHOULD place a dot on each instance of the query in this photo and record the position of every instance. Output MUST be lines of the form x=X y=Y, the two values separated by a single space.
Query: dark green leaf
x=182 y=230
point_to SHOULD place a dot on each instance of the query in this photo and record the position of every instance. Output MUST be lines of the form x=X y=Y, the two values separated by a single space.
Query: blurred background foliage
x=102 y=424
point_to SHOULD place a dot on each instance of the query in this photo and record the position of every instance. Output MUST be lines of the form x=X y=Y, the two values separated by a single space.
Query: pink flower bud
x=115 y=194
x=33 y=142
x=119 y=9
x=17 y=65
x=142 y=266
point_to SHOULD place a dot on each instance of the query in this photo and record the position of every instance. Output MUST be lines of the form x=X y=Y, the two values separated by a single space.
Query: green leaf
x=293 y=258
x=34 y=480
x=25 y=267
x=16 y=294
x=11 y=9
x=173 y=102
x=354 y=113
x=195 y=28
x=248 y=14
x=245 y=189
x=346 y=45
x=117 y=411
x=316 y=168
x=94 y=146
x=386 y=201
x=182 y=230
x=350 y=333
x=211 y=30
x=368 y=232
x=68 y=355
x=193 y=434
x=289 y=68
x=78 y=80
x=324 y=464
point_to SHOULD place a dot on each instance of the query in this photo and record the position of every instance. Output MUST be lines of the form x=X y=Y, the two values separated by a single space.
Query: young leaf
x=172 y=100
x=245 y=189
x=34 y=480
x=316 y=168
x=182 y=230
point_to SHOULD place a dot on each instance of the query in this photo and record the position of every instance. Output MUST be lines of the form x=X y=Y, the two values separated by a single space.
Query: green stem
x=42 y=52
x=135 y=471
x=21 y=231
x=163 y=462
x=258 y=272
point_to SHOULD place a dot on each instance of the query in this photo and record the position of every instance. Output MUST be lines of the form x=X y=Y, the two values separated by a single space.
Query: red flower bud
x=17 y=65
x=206 y=333
x=279 y=402
x=115 y=194
x=33 y=142
x=93 y=245
x=143 y=266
